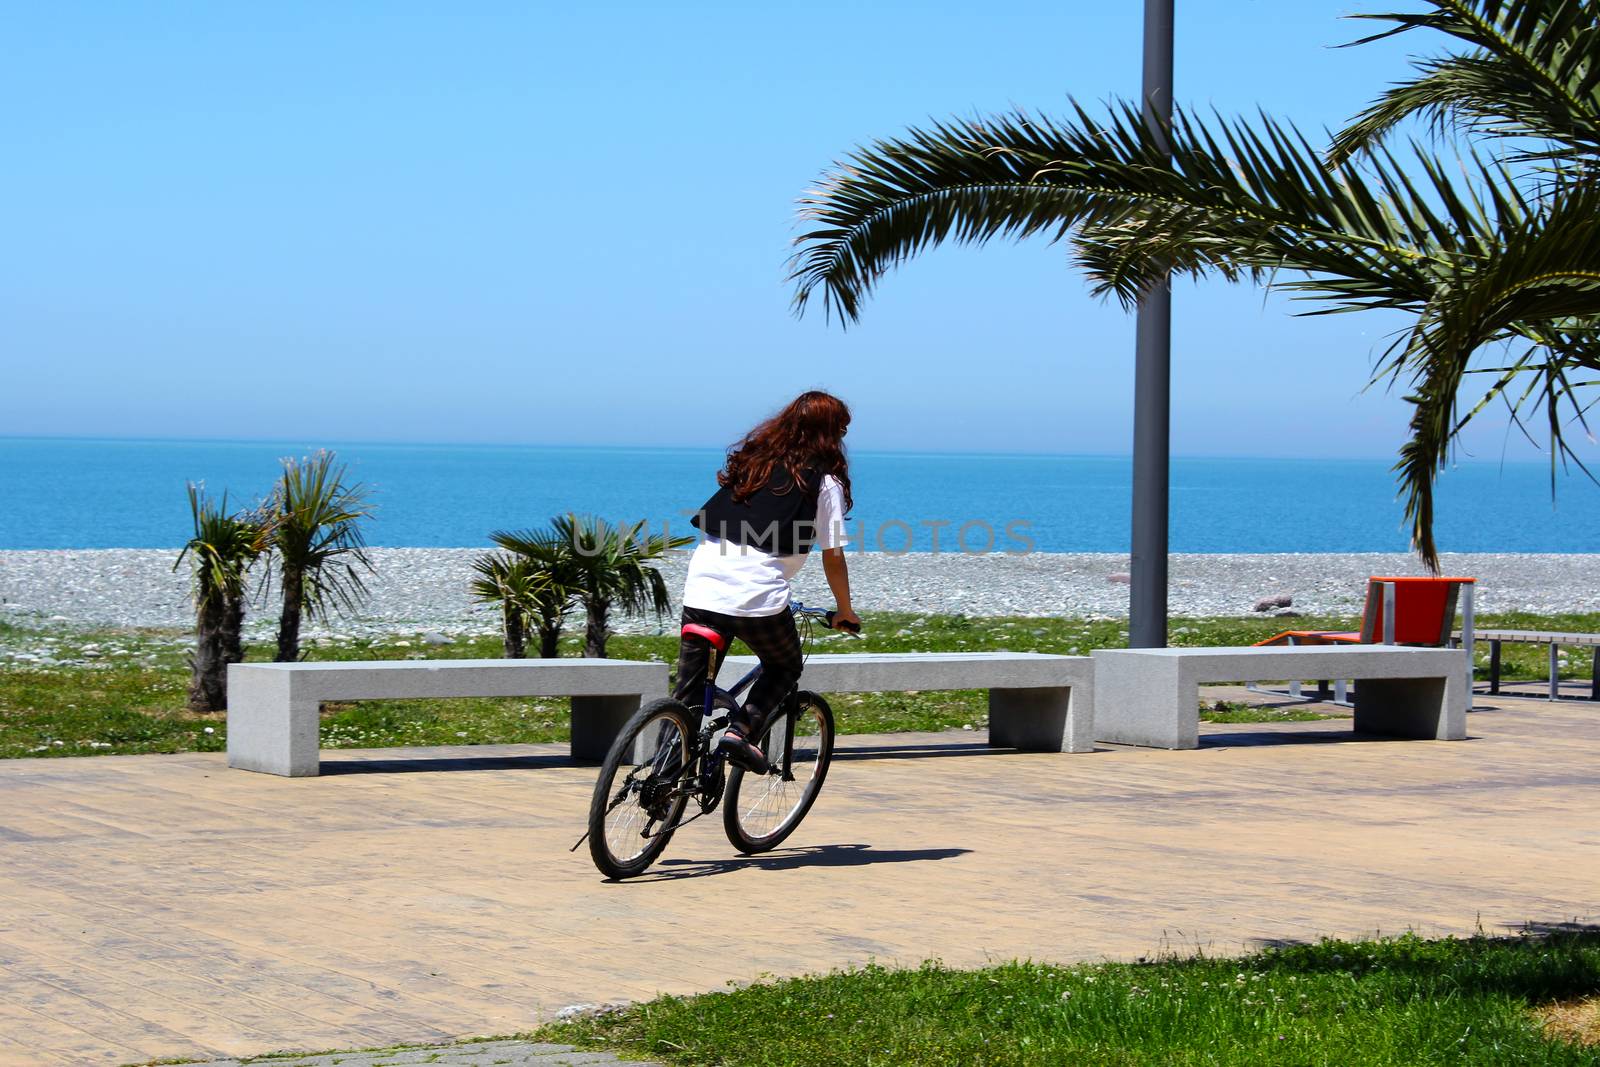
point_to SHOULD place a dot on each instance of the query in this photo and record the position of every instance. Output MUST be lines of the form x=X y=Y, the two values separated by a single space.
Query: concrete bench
x=1037 y=702
x=273 y=708
x=1151 y=696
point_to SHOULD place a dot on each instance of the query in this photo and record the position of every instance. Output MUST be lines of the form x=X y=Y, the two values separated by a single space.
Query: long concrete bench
x=1151 y=697
x=1037 y=702
x=273 y=708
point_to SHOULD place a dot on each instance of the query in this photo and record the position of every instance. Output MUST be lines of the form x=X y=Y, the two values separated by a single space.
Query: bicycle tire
x=762 y=822
x=607 y=836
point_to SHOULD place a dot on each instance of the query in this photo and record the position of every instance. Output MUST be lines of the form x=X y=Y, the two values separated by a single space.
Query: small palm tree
x=516 y=584
x=549 y=557
x=223 y=549
x=1494 y=253
x=613 y=570
x=318 y=544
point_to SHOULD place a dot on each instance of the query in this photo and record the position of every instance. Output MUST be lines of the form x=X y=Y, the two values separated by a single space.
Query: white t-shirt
x=739 y=580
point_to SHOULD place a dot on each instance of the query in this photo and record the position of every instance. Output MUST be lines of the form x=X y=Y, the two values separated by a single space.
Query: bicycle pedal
x=740 y=755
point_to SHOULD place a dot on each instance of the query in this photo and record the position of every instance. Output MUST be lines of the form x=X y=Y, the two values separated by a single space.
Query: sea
x=66 y=493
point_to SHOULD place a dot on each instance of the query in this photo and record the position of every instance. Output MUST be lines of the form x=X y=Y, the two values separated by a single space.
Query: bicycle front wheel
x=641 y=792
x=760 y=810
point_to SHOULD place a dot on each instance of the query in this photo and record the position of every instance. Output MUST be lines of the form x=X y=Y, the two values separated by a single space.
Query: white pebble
x=424 y=591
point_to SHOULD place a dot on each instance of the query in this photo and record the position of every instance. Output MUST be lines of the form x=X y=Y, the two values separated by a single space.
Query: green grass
x=1226 y=711
x=123 y=691
x=1400 y=1002
x=1394 y=1002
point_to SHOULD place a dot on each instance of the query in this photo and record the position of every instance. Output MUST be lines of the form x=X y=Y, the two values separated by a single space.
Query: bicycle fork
x=789 y=720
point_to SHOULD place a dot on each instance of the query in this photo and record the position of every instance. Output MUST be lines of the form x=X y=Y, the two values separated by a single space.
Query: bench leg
x=1041 y=720
x=1594 y=676
x=1494 y=667
x=1432 y=709
x=270 y=732
x=596 y=722
x=1145 y=701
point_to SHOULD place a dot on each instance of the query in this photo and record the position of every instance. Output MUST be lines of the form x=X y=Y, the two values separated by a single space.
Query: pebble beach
x=426 y=589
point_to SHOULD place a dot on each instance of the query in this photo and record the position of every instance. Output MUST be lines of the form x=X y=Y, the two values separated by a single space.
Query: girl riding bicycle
x=785 y=489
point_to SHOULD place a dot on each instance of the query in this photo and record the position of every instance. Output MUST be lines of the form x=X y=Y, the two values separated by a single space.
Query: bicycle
x=672 y=759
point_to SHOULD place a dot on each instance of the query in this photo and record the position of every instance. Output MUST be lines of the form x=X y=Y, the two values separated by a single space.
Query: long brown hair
x=809 y=432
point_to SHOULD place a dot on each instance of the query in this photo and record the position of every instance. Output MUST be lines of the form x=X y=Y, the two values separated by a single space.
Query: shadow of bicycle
x=787 y=859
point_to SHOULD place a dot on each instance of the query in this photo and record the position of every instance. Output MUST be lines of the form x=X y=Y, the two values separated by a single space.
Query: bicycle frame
x=713 y=691
x=701 y=778
x=785 y=765
x=707 y=762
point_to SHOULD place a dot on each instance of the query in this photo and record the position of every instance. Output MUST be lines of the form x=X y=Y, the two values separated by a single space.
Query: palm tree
x=612 y=570
x=318 y=544
x=223 y=549
x=1494 y=254
x=518 y=586
x=546 y=600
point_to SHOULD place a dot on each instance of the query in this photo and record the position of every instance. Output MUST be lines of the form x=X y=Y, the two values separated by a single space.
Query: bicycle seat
x=694 y=629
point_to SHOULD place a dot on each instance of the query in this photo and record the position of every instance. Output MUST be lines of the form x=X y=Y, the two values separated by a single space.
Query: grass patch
x=1393 y=1002
x=66 y=692
x=107 y=691
x=1228 y=711
x=1403 y=1001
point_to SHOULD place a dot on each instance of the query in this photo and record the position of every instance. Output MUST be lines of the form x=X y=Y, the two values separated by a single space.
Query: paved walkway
x=473 y=1054
x=165 y=906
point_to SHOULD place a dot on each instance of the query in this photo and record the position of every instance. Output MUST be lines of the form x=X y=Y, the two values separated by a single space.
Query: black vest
x=779 y=519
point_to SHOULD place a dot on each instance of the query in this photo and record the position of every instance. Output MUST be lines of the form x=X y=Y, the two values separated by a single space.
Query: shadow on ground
x=429 y=764
x=1247 y=735
x=447 y=763
x=851 y=855
x=1256 y=737
x=913 y=750
x=1570 y=931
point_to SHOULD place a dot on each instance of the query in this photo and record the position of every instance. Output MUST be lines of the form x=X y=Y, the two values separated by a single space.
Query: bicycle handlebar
x=827 y=616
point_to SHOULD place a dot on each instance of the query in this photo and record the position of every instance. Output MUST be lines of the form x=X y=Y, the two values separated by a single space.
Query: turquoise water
x=72 y=493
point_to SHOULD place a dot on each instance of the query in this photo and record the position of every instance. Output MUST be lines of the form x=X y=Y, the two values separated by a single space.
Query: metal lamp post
x=1152 y=400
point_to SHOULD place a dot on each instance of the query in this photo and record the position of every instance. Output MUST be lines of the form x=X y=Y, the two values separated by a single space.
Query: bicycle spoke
x=769 y=806
x=628 y=820
x=630 y=786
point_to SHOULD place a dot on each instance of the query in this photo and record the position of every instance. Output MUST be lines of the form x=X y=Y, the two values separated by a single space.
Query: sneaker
x=743 y=752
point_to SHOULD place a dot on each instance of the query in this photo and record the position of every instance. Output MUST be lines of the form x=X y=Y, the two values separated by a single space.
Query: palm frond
x=502 y=577
x=223 y=548
x=317 y=531
x=1533 y=71
x=1478 y=252
x=1542 y=272
x=548 y=556
x=1237 y=200
x=1540 y=285
x=615 y=562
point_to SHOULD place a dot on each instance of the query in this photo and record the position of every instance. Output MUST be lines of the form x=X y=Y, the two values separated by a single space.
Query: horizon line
x=902 y=452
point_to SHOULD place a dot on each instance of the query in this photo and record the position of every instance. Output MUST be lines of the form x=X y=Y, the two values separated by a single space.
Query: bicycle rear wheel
x=760 y=810
x=633 y=801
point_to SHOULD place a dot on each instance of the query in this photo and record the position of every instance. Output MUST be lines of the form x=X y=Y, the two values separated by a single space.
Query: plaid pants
x=774 y=640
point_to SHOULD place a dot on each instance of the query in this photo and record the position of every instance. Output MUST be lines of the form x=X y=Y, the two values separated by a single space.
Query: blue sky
x=567 y=223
